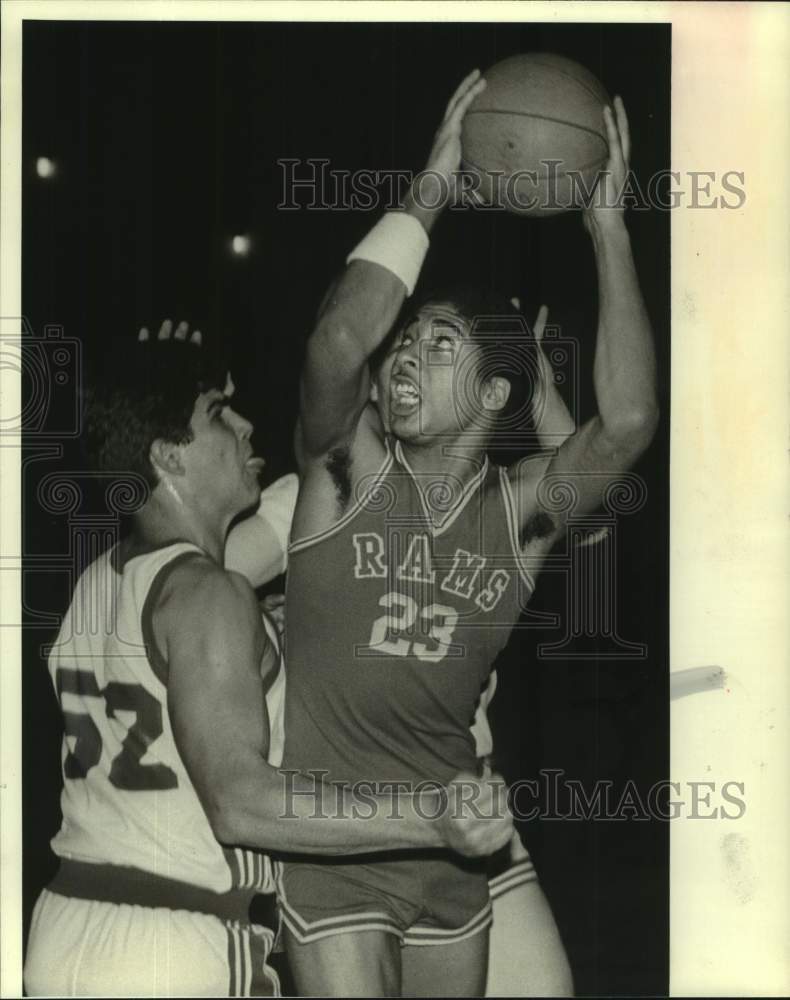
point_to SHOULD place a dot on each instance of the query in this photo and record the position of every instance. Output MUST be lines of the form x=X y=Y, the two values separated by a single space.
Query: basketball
x=535 y=137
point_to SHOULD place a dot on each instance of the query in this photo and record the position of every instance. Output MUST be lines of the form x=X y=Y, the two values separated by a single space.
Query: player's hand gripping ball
x=536 y=136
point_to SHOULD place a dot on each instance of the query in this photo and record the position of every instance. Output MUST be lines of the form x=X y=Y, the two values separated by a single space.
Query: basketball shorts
x=509 y=868
x=89 y=947
x=426 y=899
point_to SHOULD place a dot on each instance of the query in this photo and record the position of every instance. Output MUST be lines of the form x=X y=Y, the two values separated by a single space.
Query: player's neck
x=446 y=458
x=161 y=522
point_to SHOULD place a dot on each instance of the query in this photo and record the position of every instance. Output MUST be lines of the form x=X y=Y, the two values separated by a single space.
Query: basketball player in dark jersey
x=526 y=954
x=412 y=556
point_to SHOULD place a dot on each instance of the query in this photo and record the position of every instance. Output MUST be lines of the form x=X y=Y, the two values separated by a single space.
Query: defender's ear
x=495 y=393
x=166 y=458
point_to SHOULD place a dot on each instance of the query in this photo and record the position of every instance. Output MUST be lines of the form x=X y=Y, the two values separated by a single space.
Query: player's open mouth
x=404 y=395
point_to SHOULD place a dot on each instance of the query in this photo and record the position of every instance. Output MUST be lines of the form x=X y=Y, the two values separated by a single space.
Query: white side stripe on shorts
x=523 y=872
x=418 y=935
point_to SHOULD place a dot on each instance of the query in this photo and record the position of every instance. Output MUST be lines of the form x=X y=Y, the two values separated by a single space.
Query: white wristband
x=397 y=242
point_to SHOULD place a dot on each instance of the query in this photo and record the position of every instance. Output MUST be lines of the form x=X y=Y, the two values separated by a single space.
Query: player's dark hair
x=150 y=393
x=506 y=344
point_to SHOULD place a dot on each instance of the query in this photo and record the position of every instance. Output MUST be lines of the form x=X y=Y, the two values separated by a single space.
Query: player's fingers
x=463 y=786
x=476 y=196
x=181 y=330
x=540 y=323
x=460 y=90
x=504 y=836
x=623 y=128
x=594 y=537
x=498 y=788
x=460 y=109
x=515 y=301
x=613 y=138
x=165 y=330
x=517 y=850
x=196 y=338
x=143 y=334
x=273 y=600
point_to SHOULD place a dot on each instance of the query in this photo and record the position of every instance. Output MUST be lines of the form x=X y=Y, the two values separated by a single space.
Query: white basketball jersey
x=275 y=698
x=127 y=798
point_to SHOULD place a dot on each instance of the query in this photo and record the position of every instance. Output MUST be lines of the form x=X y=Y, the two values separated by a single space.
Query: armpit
x=338 y=465
x=539 y=525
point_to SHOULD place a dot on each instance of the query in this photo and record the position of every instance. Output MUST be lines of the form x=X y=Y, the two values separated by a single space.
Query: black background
x=167 y=138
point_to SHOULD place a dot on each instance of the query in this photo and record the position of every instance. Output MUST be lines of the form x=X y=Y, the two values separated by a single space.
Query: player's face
x=426 y=384
x=221 y=469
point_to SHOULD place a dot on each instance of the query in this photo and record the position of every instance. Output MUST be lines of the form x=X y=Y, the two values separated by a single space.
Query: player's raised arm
x=624 y=372
x=554 y=423
x=209 y=627
x=359 y=311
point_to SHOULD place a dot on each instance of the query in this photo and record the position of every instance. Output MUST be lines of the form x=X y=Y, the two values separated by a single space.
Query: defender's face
x=426 y=384
x=221 y=470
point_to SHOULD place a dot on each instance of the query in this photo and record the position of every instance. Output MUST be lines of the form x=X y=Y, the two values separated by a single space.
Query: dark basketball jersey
x=394 y=622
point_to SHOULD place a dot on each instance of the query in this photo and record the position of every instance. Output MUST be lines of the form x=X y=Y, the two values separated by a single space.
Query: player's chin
x=251 y=489
x=406 y=426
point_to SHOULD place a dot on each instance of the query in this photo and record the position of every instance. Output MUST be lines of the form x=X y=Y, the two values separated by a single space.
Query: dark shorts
x=426 y=899
x=509 y=868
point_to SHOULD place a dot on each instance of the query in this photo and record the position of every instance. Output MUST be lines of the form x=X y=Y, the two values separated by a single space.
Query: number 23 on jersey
x=402 y=614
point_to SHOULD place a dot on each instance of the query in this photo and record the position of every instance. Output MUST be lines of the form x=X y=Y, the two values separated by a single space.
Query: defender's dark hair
x=150 y=393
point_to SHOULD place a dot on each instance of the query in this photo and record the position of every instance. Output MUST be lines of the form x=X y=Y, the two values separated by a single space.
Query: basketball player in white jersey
x=161 y=668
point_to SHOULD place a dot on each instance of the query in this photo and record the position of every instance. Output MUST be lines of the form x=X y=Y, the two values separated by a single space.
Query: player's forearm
x=625 y=369
x=553 y=421
x=358 y=315
x=363 y=305
x=283 y=811
x=434 y=195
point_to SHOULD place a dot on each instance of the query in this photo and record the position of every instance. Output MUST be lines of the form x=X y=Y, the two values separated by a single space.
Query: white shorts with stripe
x=82 y=947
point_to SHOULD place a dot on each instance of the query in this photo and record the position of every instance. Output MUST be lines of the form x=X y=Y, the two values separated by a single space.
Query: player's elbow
x=223 y=804
x=336 y=342
x=245 y=811
x=632 y=429
x=219 y=816
x=226 y=818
